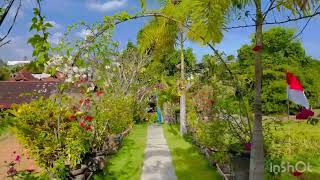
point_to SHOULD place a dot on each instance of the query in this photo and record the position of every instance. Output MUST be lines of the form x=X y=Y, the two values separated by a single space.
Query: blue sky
x=62 y=13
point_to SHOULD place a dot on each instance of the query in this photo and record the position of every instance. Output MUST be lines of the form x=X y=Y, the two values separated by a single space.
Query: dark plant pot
x=240 y=167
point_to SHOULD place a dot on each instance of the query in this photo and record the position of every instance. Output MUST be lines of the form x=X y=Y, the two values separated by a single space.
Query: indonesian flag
x=295 y=91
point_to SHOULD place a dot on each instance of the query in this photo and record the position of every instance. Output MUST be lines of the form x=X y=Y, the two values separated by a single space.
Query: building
x=23 y=87
x=18 y=92
x=13 y=63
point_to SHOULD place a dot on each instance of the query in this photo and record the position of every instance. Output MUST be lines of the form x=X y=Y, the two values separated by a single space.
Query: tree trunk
x=257 y=152
x=183 y=128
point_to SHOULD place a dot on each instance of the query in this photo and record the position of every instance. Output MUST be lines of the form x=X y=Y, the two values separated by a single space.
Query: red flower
x=257 y=48
x=99 y=93
x=82 y=124
x=304 y=114
x=17 y=158
x=89 y=118
x=81 y=101
x=73 y=117
x=297 y=173
x=88 y=128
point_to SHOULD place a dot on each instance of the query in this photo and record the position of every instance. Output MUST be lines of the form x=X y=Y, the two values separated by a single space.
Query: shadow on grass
x=127 y=162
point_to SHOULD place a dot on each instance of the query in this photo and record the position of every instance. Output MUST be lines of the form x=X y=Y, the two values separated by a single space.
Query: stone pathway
x=157 y=158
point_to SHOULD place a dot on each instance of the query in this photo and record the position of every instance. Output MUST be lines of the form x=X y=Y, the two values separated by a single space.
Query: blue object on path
x=159 y=116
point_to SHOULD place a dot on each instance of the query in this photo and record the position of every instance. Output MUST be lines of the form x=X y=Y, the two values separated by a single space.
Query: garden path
x=157 y=158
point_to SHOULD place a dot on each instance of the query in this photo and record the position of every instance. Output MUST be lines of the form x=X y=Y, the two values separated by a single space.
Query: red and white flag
x=295 y=91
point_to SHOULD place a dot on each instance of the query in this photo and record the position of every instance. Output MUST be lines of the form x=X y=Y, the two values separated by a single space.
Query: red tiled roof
x=17 y=92
x=24 y=75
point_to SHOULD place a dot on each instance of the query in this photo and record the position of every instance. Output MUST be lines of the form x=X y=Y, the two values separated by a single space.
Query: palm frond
x=208 y=19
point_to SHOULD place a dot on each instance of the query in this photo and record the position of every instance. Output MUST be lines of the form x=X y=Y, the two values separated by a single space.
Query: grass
x=305 y=145
x=189 y=163
x=317 y=111
x=127 y=163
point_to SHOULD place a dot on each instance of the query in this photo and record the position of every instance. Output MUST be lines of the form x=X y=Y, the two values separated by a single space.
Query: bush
x=59 y=133
x=36 y=124
x=117 y=112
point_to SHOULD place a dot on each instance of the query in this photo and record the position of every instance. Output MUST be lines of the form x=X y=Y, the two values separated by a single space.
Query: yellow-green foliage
x=36 y=126
x=58 y=133
x=117 y=111
x=291 y=141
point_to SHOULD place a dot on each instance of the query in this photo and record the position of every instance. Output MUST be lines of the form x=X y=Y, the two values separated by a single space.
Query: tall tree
x=206 y=21
x=162 y=34
x=183 y=106
x=257 y=152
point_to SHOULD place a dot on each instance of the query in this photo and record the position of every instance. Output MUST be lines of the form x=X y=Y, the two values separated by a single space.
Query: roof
x=12 y=63
x=41 y=76
x=23 y=75
x=18 y=92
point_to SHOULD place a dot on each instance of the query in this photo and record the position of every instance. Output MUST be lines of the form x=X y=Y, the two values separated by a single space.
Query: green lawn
x=305 y=146
x=127 y=163
x=189 y=163
x=317 y=111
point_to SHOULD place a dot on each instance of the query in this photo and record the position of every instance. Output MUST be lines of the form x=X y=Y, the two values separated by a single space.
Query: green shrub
x=36 y=126
x=58 y=132
x=116 y=111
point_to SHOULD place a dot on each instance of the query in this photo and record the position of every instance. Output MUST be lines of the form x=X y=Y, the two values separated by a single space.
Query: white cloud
x=84 y=33
x=55 y=24
x=56 y=38
x=106 y=6
x=16 y=50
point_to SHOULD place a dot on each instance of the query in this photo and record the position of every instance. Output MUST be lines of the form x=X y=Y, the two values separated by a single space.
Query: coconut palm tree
x=162 y=35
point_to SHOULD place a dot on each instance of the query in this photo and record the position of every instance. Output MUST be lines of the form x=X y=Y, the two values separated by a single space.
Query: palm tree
x=162 y=34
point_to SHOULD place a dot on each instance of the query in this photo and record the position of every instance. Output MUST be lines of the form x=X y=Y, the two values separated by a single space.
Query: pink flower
x=87 y=101
x=17 y=158
x=82 y=124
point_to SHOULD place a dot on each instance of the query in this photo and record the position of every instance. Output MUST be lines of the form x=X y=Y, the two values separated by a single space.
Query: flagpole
x=288 y=104
x=288 y=108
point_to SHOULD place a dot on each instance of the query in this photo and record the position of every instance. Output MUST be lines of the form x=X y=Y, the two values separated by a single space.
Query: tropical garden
x=224 y=117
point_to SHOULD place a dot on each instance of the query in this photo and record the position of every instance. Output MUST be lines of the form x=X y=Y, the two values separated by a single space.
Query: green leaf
x=48 y=25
